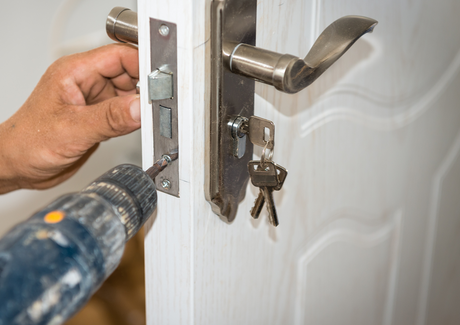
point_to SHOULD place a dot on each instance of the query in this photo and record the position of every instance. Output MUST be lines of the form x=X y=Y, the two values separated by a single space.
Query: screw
x=167 y=158
x=166 y=184
x=164 y=30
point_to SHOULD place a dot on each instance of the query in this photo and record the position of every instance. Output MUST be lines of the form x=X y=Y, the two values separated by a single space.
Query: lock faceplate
x=163 y=96
x=232 y=22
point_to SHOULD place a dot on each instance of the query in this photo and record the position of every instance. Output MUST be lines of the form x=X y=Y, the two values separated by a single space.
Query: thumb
x=113 y=117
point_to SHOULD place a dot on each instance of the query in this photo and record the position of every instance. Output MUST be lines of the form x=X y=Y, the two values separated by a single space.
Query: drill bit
x=162 y=163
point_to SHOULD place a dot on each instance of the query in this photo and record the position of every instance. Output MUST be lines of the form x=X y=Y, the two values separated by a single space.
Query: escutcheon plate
x=232 y=22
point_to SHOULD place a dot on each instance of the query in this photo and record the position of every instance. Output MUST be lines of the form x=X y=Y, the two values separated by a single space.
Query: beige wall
x=35 y=33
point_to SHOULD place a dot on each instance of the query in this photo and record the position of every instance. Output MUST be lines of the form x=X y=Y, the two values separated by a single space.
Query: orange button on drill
x=54 y=216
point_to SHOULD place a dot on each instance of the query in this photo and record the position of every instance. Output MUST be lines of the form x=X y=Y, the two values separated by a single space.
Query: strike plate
x=232 y=22
x=163 y=96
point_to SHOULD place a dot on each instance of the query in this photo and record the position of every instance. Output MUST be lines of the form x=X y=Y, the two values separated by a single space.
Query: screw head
x=167 y=158
x=166 y=184
x=164 y=30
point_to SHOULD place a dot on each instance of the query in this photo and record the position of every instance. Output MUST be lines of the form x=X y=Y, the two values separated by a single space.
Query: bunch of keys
x=266 y=175
x=267 y=178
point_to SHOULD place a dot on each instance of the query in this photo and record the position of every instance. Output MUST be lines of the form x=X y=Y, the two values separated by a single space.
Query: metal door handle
x=289 y=73
x=121 y=25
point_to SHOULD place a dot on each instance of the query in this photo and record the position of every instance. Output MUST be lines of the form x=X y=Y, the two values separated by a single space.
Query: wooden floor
x=121 y=299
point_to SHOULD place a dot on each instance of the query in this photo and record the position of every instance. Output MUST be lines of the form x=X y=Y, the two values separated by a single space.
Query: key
x=258 y=205
x=260 y=200
x=263 y=176
x=268 y=197
x=261 y=132
x=282 y=174
x=266 y=178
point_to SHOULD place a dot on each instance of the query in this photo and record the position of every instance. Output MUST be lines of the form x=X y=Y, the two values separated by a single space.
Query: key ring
x=264 y=151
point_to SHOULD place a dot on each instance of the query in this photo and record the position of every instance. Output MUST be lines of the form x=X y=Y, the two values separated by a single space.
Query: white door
x=370 y=212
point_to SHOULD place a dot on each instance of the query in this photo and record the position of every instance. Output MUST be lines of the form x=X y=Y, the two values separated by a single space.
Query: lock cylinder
x=121 y=25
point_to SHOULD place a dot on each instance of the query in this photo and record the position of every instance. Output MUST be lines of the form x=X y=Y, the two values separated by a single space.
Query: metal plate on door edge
x=163 y=51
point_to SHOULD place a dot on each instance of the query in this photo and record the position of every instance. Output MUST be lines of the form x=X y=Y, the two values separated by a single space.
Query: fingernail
x=135 y=110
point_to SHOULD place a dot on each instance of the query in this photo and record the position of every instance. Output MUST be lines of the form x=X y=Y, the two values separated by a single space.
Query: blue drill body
x=50 y=267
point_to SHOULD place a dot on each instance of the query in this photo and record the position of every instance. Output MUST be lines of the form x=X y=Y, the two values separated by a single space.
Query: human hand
x=81 y=100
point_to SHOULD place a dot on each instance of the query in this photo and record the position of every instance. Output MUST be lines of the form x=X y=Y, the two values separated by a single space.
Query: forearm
x=8 y=179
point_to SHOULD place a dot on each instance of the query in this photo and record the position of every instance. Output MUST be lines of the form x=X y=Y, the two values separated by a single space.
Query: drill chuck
x=52 y=263
x=131 y=191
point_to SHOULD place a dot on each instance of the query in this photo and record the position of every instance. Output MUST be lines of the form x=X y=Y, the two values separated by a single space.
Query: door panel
x=334 y=254
x=368 y=214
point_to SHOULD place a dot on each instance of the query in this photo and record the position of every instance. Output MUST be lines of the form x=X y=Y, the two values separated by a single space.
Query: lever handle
x=289 y=73
x=121 y=25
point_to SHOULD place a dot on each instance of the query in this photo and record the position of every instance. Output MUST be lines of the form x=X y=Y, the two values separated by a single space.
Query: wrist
x=8 y=178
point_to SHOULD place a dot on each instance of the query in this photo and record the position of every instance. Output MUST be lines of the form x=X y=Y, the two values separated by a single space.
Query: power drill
x=51 y=264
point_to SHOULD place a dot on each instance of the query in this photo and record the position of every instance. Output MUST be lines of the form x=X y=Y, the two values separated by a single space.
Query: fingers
x=113 y=60
x=63 y=175
x=91 y=70
x=111 y=118
x=81 y=100
x=119 y=86
x=125 y=93
x=124 y=82
x=101 y=91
